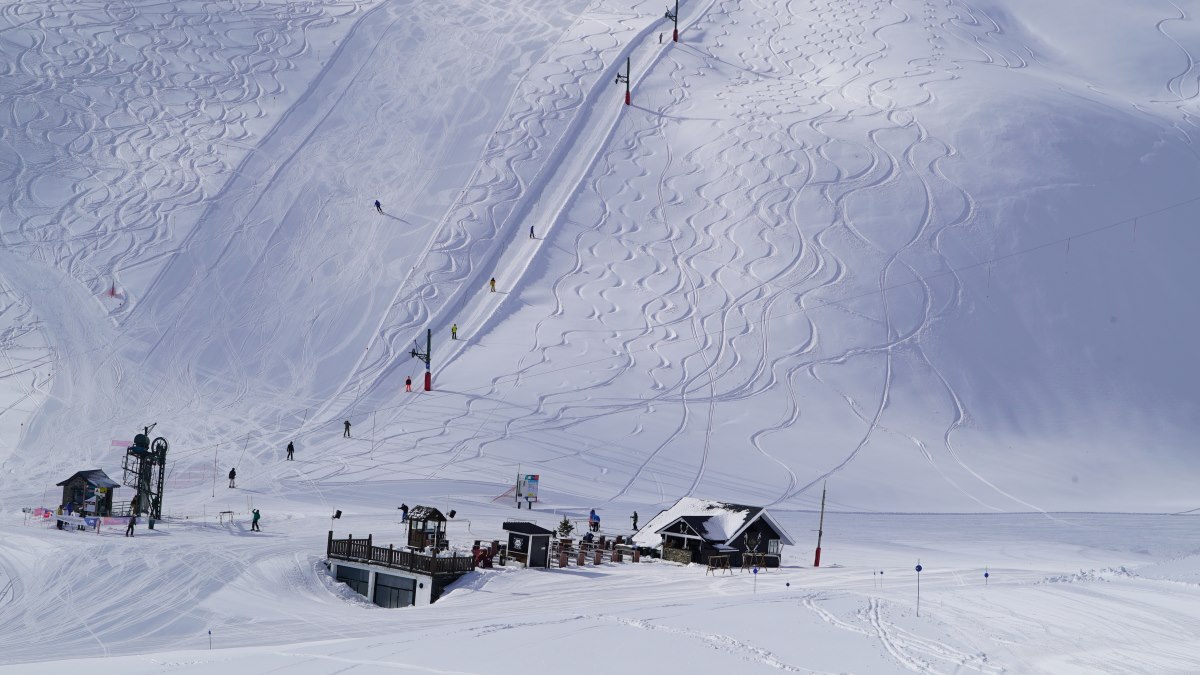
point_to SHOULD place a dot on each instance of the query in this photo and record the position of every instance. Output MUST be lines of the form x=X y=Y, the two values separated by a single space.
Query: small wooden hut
x=90 y=491
x=528 y=544
x=427 y=529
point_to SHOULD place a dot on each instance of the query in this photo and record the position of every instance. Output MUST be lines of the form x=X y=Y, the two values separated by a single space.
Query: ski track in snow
x=817 y=119
x=817 y=67
x=901 y=150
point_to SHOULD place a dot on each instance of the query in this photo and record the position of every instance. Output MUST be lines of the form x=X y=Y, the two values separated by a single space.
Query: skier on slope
x=454 y=332
x=378 y=207
x=290 y=450
x=408 y=383
x=492 y=284
x=232 y=477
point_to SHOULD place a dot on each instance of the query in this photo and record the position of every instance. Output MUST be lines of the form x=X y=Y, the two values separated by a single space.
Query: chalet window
x=355 y=578
x=774 y=547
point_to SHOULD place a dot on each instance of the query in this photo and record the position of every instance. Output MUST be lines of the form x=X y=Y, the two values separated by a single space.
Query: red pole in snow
x=674 y=16
x=820 y=529
x=426 y=357
x=627 y=72
x=625 y=78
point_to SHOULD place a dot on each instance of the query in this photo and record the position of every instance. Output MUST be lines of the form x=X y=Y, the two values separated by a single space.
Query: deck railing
x=362 y=550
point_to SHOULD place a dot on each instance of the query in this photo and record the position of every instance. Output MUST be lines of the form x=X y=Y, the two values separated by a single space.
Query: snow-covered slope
x=865 y=242
x=934 y=255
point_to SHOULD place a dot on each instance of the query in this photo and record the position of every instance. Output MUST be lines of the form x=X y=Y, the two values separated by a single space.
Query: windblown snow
x=934 y=256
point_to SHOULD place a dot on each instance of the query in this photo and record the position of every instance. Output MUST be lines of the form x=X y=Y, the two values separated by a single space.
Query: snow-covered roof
x=715 y=521
x=426 y=513
x=525 y=528
x=95 y=477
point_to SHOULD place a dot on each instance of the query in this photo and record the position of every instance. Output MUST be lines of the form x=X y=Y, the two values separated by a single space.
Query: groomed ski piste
x=937 y=257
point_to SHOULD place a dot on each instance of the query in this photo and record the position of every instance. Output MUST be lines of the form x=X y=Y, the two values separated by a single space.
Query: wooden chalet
x=695 y=530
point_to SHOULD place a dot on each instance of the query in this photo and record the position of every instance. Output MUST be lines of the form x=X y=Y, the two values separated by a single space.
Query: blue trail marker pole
x=985 y=576
x=919 y=568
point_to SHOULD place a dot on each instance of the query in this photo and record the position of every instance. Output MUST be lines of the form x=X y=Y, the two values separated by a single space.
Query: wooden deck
x=362 y=550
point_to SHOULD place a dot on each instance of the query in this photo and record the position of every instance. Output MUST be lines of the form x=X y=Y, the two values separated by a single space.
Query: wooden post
x=329 y=544
x=391 y=552
x=597 y=557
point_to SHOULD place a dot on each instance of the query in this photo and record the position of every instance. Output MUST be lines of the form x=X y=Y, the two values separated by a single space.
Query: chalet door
x=539 y=553
x=394 y=591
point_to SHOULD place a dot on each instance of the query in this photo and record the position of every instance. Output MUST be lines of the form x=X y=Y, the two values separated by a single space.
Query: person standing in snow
x=454 y=332
x=291 y=449
x=492 y=284
x=408 y=383
x=635 y=521
x=594 y=521
x=129 y=527
x=403 y=513
x=254 y=521
x=531 y=233
x=347 y=432
x=378 y=207
x=232 y=476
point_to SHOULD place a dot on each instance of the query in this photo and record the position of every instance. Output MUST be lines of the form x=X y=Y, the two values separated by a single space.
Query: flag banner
x=88 y=522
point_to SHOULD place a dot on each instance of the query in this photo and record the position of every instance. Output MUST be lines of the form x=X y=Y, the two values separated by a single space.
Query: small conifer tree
x=565 y=528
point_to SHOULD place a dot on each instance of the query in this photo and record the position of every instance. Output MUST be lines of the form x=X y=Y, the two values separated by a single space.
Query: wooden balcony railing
x=362 y=550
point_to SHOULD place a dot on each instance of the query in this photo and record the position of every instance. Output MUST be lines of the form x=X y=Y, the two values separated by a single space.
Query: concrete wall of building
x=422 y=596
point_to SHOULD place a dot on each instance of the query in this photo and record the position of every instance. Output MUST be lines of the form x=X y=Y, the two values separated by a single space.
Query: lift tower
x=145 y=471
